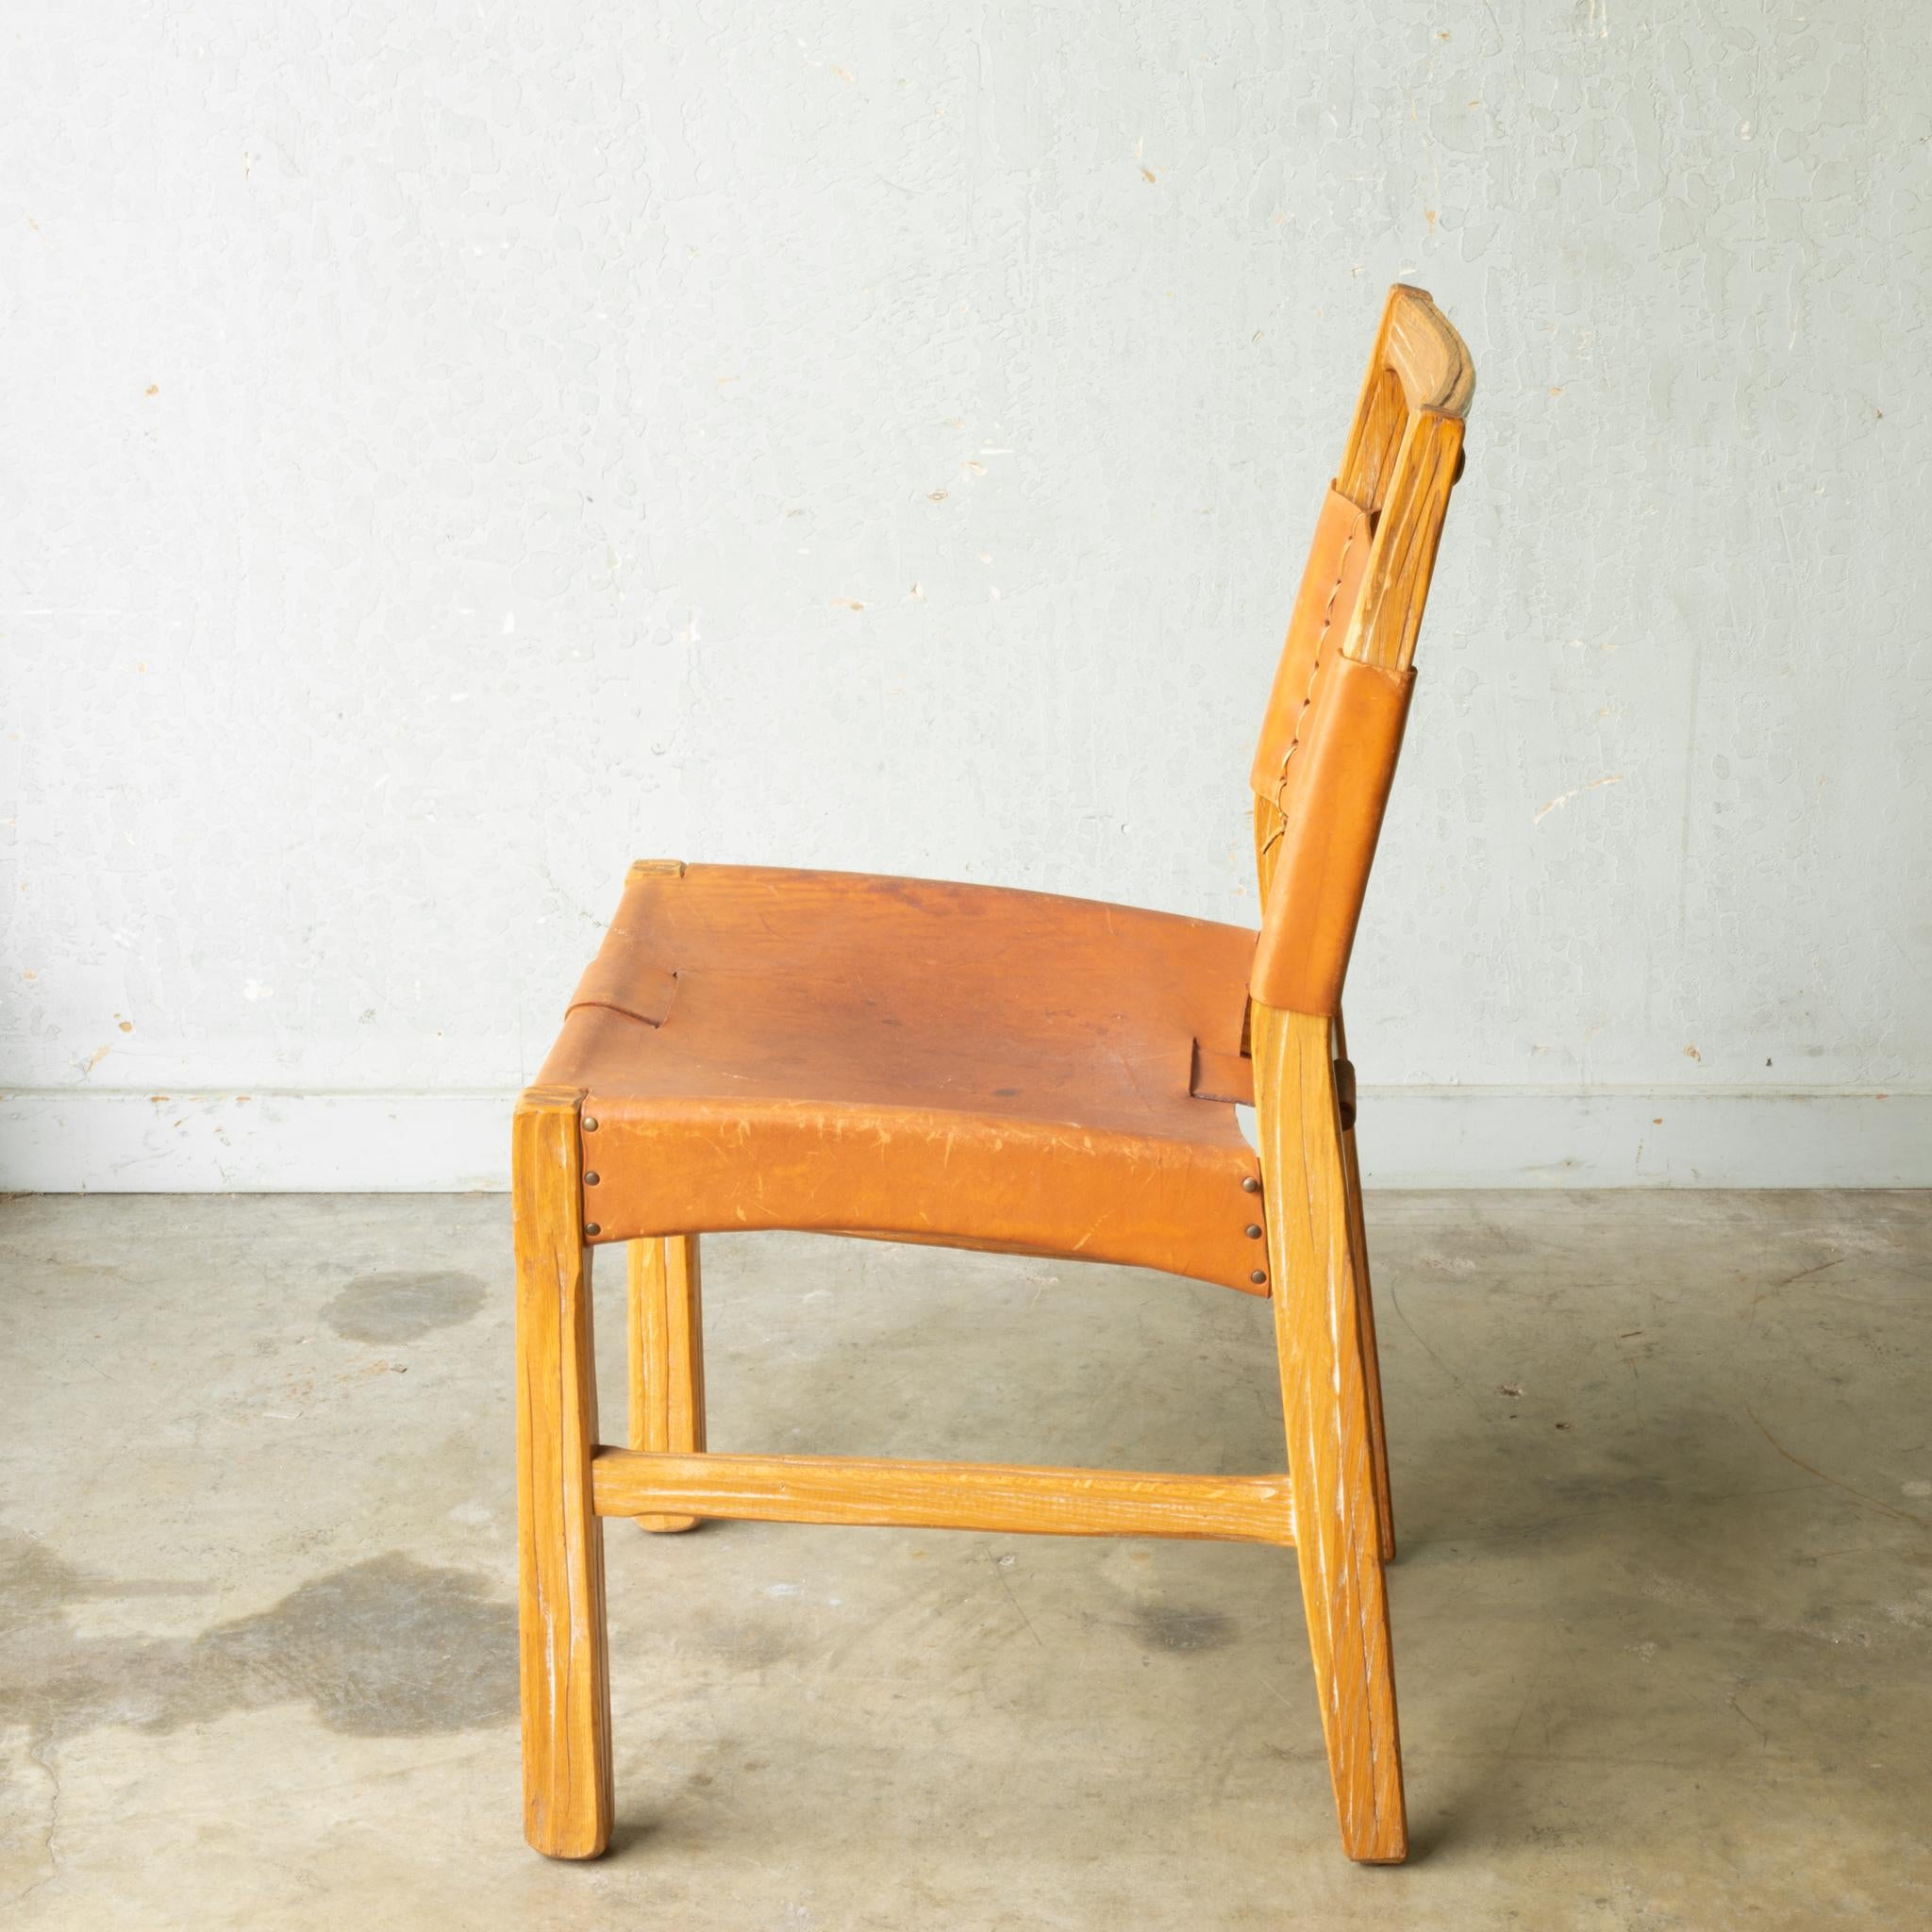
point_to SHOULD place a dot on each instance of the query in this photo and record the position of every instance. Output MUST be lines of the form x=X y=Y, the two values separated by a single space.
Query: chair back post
x=1320 y=780
x=1335 y=718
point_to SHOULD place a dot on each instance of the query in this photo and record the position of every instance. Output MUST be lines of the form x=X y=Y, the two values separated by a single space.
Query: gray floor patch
x=404 y=1307
x=386 y=1648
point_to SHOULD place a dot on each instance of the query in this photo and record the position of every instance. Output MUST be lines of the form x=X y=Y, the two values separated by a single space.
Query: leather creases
x=917 y=1060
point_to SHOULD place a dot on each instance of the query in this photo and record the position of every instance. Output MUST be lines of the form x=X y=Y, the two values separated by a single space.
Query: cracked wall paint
x=451 y=456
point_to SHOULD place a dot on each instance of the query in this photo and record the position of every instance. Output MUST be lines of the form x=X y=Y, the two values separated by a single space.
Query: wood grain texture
x=1430 y=358
x=1402 y=559
x=1325 y=1404
x=946 y=1495
x=564 y=1667
x=667 y=1354
x=1365 y=1323
x=1375 y=428
x=1419 y=362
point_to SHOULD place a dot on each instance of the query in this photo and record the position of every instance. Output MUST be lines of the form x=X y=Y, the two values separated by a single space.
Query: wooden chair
x=977 y=1068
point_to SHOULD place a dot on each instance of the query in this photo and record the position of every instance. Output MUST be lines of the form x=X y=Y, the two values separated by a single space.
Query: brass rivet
x=1250 y=1185
x=1254 y=1233
x=590 y=1125
x=1258 y=1277
x=591 y=1228
x=590 y=1180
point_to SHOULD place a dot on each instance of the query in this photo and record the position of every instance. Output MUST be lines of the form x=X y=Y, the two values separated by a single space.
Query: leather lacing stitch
x=1308 y=696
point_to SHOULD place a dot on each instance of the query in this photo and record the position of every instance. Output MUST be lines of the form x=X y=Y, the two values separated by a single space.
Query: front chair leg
x=667 y=1354
x=1325 y=1405
x=564 y=1665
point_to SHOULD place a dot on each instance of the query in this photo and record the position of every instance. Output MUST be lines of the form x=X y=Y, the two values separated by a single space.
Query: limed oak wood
x=1430 y=359
x=1365 y=1319
x=564 y=1666
x=1324 y=1405
x=1402 y=459
x=946 y=1495
x=1402 y=559
x=1371 y=1366
x=1419 y=362
x=1266 y=819
x=667 y=1354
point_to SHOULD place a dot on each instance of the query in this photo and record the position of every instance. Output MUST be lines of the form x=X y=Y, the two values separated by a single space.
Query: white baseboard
x=106 y=1140
x=109 y=1142
x=1620 y=1137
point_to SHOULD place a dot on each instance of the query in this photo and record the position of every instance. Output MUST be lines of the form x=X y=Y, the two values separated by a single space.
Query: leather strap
x=1332 y=798
x=1228 y=1076
x=1330 y=583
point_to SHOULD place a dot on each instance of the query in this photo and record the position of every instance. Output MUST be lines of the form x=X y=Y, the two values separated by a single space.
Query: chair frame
x=1331 y=1505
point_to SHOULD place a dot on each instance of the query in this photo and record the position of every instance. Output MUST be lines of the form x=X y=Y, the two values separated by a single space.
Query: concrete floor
x=1664 y=1471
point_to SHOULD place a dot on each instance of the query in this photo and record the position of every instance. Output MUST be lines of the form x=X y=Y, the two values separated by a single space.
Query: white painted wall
x=452 y=452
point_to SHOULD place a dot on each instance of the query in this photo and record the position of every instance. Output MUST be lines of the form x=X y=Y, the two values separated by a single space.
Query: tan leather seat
x=766 y=1048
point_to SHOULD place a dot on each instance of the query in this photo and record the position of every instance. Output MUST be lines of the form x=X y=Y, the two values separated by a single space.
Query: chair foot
x=563 y=1642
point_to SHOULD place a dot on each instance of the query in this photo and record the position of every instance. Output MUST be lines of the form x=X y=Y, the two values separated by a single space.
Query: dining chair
x=979 y=1068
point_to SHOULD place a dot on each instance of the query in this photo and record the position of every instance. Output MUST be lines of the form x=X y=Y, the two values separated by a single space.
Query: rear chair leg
x=1365 y=1314
x=564 y=1666
x=667 y=1354
x=1325 y=1404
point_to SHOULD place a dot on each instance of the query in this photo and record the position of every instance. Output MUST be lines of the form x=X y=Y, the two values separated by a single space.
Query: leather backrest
x=1329 y=811
x=1331 y=583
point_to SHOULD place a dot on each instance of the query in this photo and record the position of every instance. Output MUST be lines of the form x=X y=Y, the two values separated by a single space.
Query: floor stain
x=1172 y=1626
x=404 y=1307
x=386 y=1648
